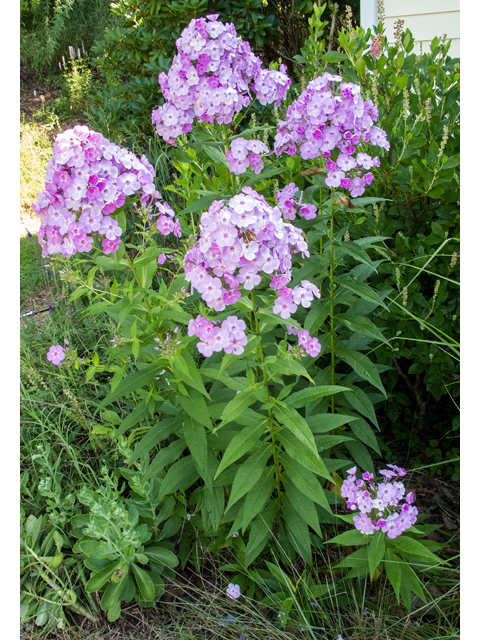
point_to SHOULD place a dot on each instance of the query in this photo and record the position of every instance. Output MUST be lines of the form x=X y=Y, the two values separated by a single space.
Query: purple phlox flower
x=56 y=354
x=233 y=591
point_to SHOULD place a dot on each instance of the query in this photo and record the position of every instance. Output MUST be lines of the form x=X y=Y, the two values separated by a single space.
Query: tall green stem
x=267 y=398
x=332 y=327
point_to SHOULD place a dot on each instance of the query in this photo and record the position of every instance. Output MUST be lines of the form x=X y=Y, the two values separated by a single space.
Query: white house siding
x=426 y=19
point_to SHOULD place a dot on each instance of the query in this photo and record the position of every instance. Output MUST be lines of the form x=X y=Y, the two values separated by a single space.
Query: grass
x=32 y=272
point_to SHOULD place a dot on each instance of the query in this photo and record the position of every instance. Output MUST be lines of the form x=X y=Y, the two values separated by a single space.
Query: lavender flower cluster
x=245 y=153
x=88 y=174
x=288 y=206
x=380 y=505
x=230 y=336
x=210 y=77
x=333 y=121
x=240 y=239
x=307 y=344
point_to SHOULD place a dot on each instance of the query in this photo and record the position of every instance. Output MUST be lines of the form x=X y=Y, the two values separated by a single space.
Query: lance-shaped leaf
x=305 y=481
x=294 y=422
x=300 y=398
x=248 y=474
x=240 y=444
x=237 y=405
x=196 y=407
x=196 y=440
x=303 y=455
x=257 y=496
x=362 y=365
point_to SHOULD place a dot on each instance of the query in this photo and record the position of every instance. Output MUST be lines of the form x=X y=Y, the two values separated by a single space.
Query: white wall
x=426 y=19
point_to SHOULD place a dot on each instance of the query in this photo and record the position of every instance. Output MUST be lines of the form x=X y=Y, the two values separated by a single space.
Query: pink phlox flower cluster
x=288 y=205
x=245 y=153
x=333 y=121
x=210 y=78
x=229 y=336
x=382 y=506
x=307 y=344
x=165 y=222
x=289 y=299
x=91 y=177
x=233 y=591
x=168 y=344
x=240 y=239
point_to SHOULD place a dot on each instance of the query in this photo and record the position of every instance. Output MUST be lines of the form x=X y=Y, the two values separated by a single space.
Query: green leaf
x=303 y=505
x=161 y=556
x=95 y=548
x=241 y=444
x=237 y=406
x=131 y=383
x=334 y=56
x=303 y=455
x=305 y=481
x=362 y=290
x=323 y=422
x=364 y=432
x=362 y=366
x=360 y=401
x=350 y=538
x=376 y=551
x=180 y=475
x=112 y=594
x=160 y=431
x=413 y=548
x=144 y=582
x=257 y=496
x=185 y=368
x=300 y=398
x=410 y=582
x=99 y=578
x=248 y=474
x=260 y=532
x=393 y=570
x=216 y=155
x=297 y=531
x=296 y=424
x=139 y=413
x=360 y=454
x=165 y=456
x=196 y=407
x=363 y=325
x=196 y=440
x=201 y=204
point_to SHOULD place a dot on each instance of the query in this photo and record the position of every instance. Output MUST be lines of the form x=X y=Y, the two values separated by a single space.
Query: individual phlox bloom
x=56 y=354
x=331 y=114
x=364 y=524
x=233 y=591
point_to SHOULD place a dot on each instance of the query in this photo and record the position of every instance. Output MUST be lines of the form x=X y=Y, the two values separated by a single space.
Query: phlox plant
x=246 y=356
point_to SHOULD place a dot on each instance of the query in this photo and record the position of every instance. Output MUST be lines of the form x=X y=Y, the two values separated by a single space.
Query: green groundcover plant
x=243 y=342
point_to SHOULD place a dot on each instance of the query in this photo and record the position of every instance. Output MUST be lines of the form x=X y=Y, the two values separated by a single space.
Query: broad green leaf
x=360 y=454
x=155 y=434
x=361 y=289
x=334 y=56
x=241 y=444
x=165 y=456
x=362 y=366
x=303 y=505
x=99 y=578
x=294 y=422
x=305 y=481
x=279 y=575
x=185 y=368
x=297 y=531
x=362 y=324
x=144 y=582
x=413 y=548
x=410 y=582
x=132 y=382
x=237 y=405
x=323 y=422
x=303 y=455
x=360 y=401
x=260 y=532
x=300 y=398
x=376 y=551
x=196 y=407
x=112 y=594
x=393 y=570
x=180 y=475
x=316 y=316
x=139 y=413
x=257 y=496
x=216 y=155
x=248 y=474
x=98 y=549
x=356 y=252
x=364 y=432
x=350 y=538
x=196 y=440
x=201 y=204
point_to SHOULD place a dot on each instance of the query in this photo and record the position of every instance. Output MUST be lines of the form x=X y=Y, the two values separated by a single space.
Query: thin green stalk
x=267 y=397
x=332 y=328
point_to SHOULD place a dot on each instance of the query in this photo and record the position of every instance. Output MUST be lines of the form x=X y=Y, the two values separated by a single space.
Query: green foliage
x=32 y=272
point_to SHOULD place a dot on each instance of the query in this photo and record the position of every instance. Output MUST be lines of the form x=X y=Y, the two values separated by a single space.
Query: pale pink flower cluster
x=88 y=178
x=289 y=206
x=289 y=299
x=211 y=78
x=334 y=122
x=380 y=505
x=229 y=336
x=307 y=344
x=240 y=239
x=245 y=153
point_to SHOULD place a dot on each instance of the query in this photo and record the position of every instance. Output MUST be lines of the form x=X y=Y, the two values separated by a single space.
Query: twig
x=332 y=30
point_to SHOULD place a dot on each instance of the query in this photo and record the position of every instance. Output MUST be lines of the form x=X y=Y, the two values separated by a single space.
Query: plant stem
x=332 y=333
